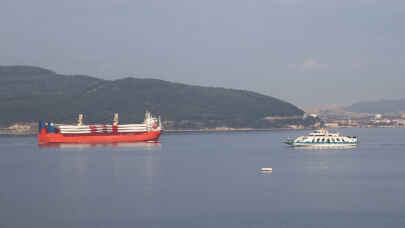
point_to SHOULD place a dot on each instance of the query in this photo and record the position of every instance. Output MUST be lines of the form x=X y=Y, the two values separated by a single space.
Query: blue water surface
x=205 y=180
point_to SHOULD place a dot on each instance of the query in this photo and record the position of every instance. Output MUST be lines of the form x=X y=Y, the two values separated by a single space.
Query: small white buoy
x=266 y=169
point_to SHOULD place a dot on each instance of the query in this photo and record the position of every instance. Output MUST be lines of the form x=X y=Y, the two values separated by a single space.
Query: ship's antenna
x=115 y=123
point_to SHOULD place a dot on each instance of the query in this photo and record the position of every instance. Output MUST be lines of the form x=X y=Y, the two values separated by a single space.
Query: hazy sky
x=308 y=52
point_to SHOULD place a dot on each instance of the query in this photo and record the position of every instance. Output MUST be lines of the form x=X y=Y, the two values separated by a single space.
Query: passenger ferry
x=323 y=138
x=149 y=130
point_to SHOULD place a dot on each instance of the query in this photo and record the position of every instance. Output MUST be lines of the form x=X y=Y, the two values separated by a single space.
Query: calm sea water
x=205 y=180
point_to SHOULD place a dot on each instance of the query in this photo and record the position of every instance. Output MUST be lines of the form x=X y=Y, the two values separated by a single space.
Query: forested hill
x=31 y=93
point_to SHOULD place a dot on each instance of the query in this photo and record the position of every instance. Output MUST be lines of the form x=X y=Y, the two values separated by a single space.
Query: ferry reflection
x=134 y=145
x=325 y=148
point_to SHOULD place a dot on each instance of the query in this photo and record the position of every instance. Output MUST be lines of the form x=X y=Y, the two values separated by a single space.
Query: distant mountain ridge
x=382 y=106
x=31 y=93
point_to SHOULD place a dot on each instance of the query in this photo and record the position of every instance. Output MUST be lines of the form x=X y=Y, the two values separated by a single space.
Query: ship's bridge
x=319 y=133
x=323 y=132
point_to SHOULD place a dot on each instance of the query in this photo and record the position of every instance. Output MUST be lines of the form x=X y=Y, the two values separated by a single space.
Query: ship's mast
x=115 y=121
x=80 y=120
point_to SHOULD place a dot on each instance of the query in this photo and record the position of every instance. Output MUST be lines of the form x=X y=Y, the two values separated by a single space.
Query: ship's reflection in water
x=152 y=145
x=320 y=159
x=86 y=173
x=325 y=148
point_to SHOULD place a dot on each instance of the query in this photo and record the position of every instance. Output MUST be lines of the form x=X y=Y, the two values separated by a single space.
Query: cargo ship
x=149 y=130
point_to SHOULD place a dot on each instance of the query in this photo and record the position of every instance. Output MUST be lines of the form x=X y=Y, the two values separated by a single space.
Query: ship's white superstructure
x=150 y=123
x=323 y=138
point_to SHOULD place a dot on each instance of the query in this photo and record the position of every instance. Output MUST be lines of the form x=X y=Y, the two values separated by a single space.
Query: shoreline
x=232 y=130
x=184 y=131
x=34 y=133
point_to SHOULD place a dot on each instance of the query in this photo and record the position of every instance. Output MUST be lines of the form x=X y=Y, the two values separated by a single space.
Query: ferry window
x=313 y=140
x=328 y=141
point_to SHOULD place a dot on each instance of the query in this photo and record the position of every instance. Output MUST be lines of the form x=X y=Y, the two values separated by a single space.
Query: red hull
x=44 y=137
